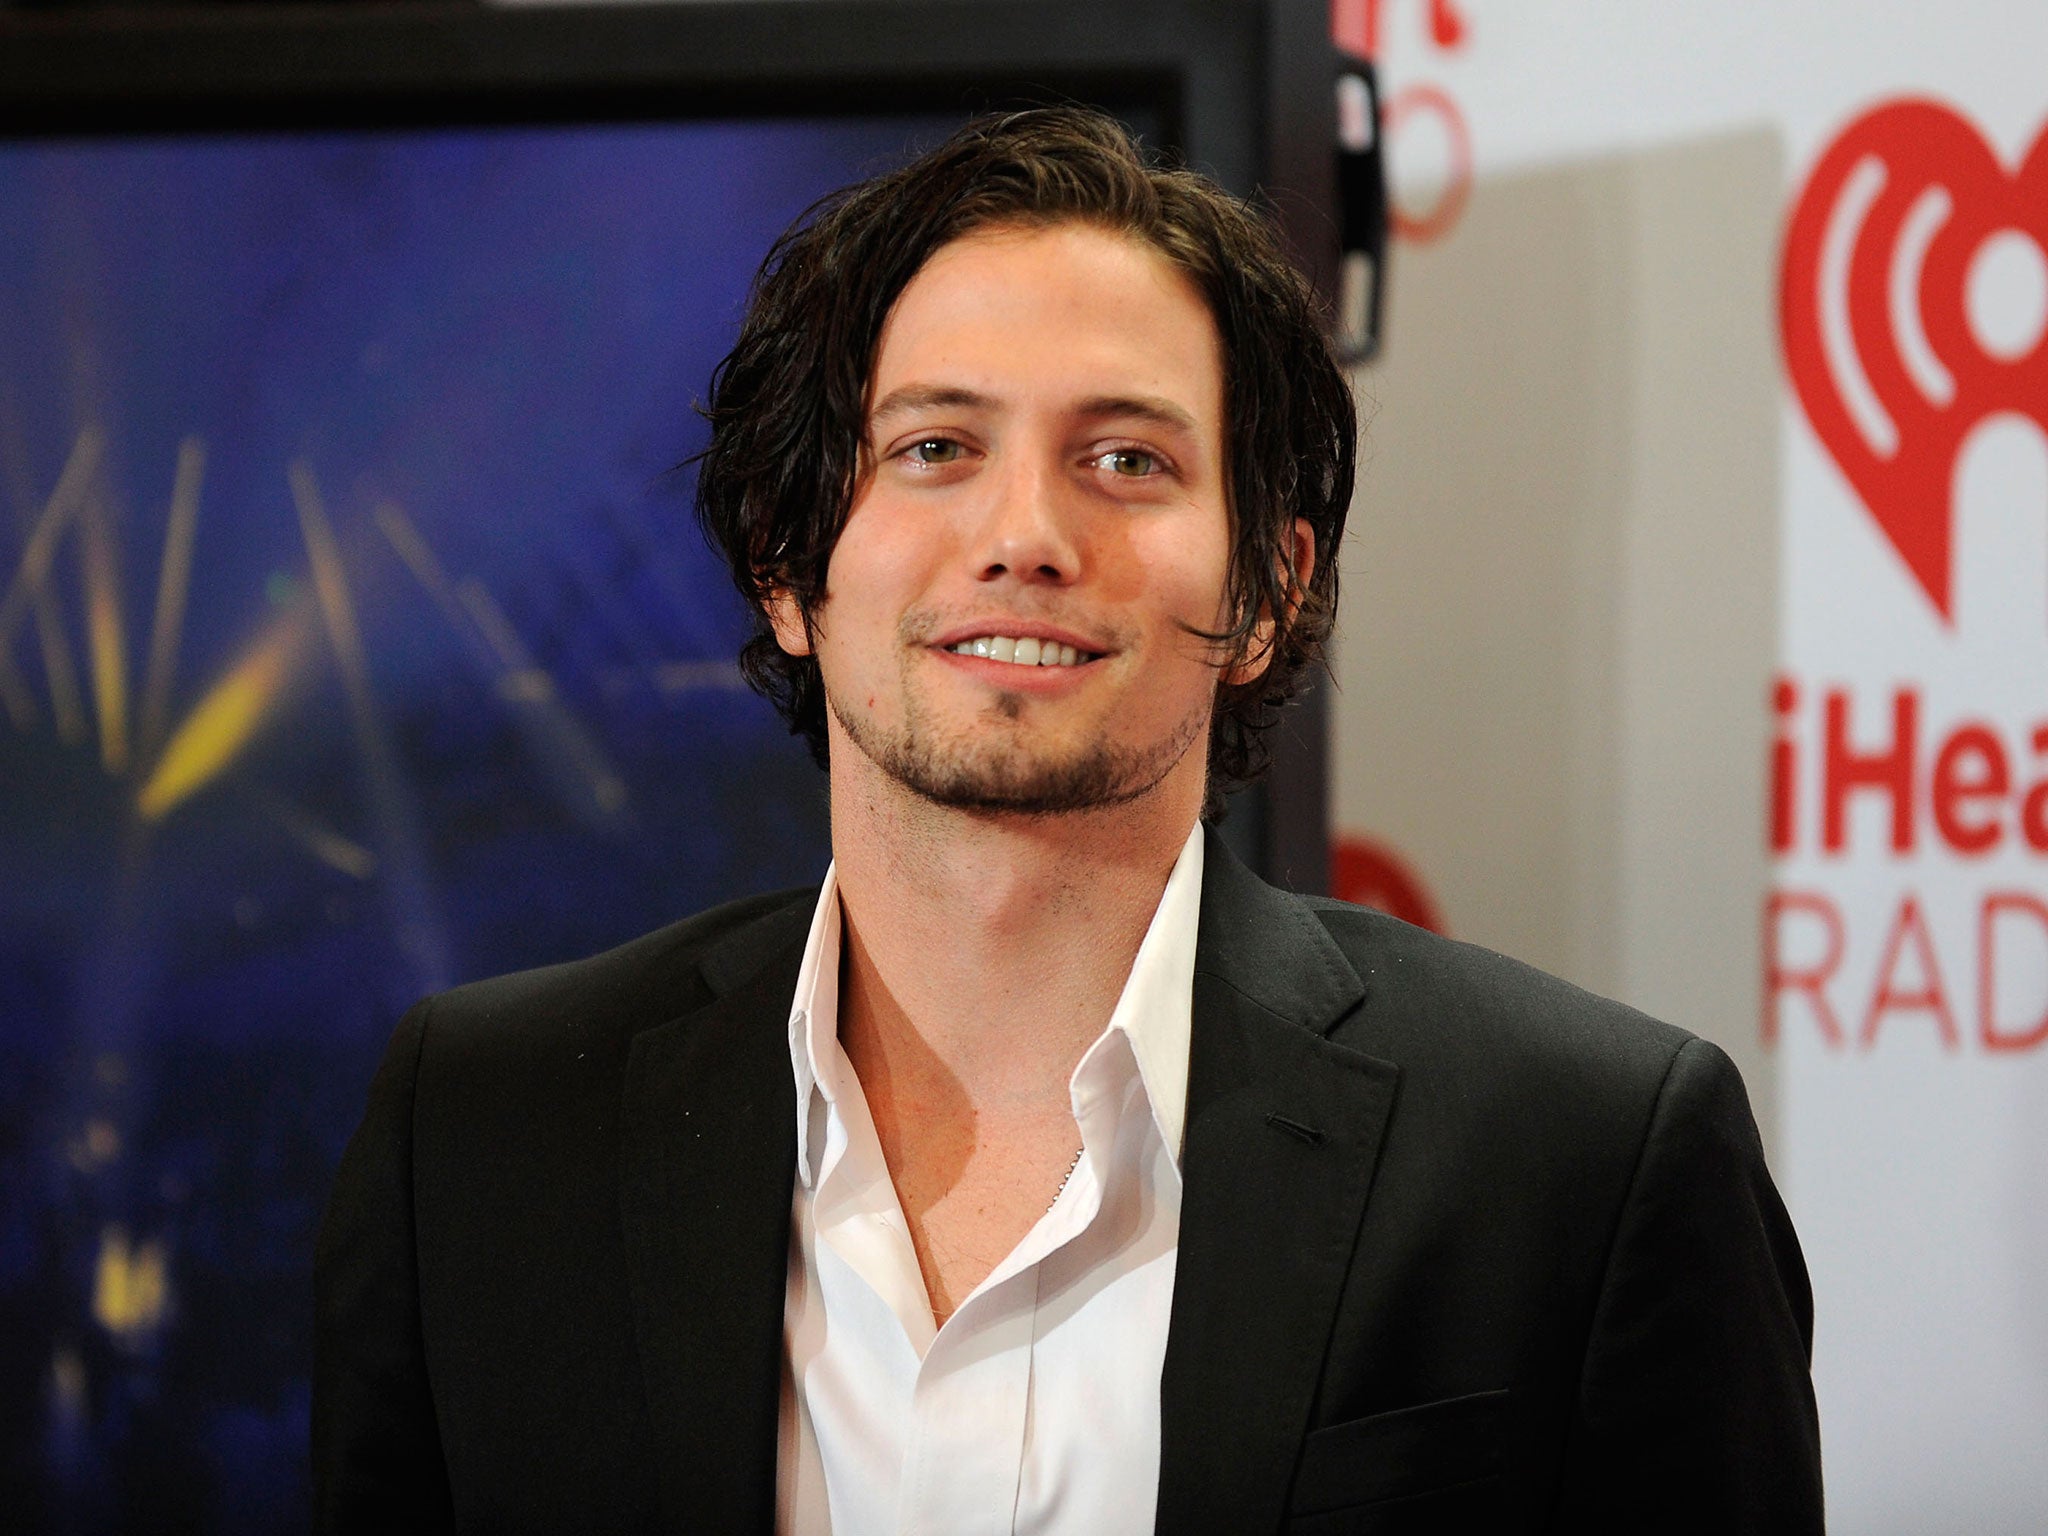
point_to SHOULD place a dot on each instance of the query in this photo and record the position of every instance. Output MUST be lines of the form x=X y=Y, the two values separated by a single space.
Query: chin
x=1093 y=782
x=991 y=776
x=983 y=767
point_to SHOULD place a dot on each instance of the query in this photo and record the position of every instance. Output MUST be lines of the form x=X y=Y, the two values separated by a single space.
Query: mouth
x=1023 y=651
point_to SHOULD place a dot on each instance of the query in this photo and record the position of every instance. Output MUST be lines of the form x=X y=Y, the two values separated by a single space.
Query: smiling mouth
x=1027 y=652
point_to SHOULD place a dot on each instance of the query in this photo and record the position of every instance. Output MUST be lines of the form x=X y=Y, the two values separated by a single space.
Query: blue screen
x=355 y=640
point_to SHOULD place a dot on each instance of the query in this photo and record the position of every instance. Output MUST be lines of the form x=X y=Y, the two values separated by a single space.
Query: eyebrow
x=912 y=398
x=1149 y=408
x=924 y=397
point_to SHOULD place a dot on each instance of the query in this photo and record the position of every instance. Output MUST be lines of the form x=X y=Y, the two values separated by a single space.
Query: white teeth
x=1028 y=652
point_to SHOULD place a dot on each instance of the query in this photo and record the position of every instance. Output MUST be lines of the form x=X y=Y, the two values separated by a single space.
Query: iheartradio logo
x=1914 y=304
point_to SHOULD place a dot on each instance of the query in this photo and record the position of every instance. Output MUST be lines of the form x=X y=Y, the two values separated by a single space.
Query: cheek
x=1125 y=562
x=1167 y=564
x=1190 y=575
x=884 y=549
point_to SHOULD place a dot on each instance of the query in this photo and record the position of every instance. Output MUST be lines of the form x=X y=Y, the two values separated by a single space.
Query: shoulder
x=1550 y=1105
x=1501 y=1037
x=1457 y=1019
x=644 y=982
x=1408 y=970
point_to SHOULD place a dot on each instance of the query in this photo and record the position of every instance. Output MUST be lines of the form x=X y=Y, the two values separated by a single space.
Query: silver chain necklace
x=1068 y=1178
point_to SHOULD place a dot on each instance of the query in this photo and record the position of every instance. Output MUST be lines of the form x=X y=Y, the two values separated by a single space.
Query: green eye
x=935 y=450
x=1131 y=462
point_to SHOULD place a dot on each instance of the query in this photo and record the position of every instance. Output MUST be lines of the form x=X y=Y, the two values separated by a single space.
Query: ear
x=1259 y=652
x=786 y=619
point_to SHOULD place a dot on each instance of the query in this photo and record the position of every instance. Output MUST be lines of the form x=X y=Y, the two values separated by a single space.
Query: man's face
x=1041 y=517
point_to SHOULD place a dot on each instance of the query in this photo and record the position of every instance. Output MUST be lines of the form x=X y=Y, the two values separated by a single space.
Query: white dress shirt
x=1036 y=1407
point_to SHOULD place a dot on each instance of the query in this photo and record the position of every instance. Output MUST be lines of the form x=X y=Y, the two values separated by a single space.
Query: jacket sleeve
x=377 y=1462
x=1696 y=1410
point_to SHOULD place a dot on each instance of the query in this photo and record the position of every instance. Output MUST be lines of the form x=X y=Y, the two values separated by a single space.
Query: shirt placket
x=968 y=1419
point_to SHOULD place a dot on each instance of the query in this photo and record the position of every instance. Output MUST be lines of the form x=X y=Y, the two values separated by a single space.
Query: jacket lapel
x=1283 y=1131
x=708 y=1160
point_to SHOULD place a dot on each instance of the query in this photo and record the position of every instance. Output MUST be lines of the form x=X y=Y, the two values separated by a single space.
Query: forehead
x=1038 y=314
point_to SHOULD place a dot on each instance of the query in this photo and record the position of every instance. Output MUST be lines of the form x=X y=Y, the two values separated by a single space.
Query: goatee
x=982 y=774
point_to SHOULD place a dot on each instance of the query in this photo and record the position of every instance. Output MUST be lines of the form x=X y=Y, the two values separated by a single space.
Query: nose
x=1030 y=532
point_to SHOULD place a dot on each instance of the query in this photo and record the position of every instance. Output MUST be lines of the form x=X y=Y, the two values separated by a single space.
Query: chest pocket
x=1411 y=1469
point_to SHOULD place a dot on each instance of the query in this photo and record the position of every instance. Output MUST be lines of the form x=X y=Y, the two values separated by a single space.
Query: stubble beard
x=985 y=773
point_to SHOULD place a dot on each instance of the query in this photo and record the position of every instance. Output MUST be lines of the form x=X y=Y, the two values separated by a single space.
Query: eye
x=934 y=450
x=1128 y=463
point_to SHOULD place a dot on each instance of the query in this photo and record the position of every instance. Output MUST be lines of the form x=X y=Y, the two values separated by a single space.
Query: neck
x=982 y=954
x=985 y=951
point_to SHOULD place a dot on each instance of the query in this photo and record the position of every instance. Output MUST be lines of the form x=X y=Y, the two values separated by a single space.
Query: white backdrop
x=1715 y=406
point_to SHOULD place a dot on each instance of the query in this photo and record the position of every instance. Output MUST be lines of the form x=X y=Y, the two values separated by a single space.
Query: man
x=1045 y=1170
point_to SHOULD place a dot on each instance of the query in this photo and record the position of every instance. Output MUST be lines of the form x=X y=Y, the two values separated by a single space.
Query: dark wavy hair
x=789 y=403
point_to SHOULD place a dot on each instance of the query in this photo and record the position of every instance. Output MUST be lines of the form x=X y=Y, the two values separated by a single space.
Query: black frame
x=1241 y=89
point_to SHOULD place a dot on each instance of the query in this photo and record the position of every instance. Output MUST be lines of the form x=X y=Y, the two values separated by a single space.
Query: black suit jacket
x=1461 y=1247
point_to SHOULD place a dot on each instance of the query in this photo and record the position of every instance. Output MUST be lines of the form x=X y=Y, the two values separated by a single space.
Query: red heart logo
x=1891 y=366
